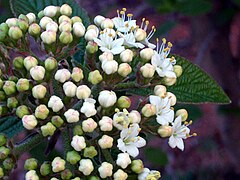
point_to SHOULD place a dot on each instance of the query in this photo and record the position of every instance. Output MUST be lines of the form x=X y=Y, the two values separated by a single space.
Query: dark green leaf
x=165 y=28
x=156 y=156
x=11 y=126
x=194 y=112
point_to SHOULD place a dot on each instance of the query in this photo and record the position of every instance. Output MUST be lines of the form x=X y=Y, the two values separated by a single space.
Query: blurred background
x=207 y=32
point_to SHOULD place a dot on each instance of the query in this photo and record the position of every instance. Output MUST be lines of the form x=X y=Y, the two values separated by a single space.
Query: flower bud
x=91 y=34
x=137 y=166
x=66 y=10
x=147 y=70
x=77 y=74
x=95 y=77
x=66 y=37
x=106 y=56
x=65 y=26
x=120 y=175
x=22 y=85
x=50 y=11
x=73 y=157
x=40 y=14
x=106 y=124
x=90 y=152
x=105 y=170
x=149 y=110
x=123 y=160
x=58 y=164
x=55 y=103
x=12 y=102
x=93 y=178
x=98 y=20
x=31 y=175
x=124 y=69
x=13 y=78
x=110 y=67
x=146 y=54
x=12 y=22
x=63 y=18
x=172 y=97
x=86 y=166
x=178 y=70
x=165 y=131
x=134 y=116
x=62 y=75
x=49 y=37
x=23 y=17
x=2 y=96
x=107 y=23
x=183 y=113
x=30 y=62
x=160 y=91
x=78 y=143
x=29 y=122
x=9 y=87
x=1 y=84
x=79 y=29
x=39 y=91
x=52 y=26
x=77 y=130
x=88 y=107
x=15 y=33
x=23 y=25
x=140 y=35
x=124 y=102
x=30 y=164
x=4 y=152
x=3 y=31
x=31 y=18
x=91 y=47
x=1 y=172
x=105 y=142
x=45 y=169
x=44 y=21
x=69 y=89
x=71 y=116
x=22 y=111
x=8 y=164
x=57 y=121
x=41 y=112
x=18 y=62
x=66 y=174
x=50 y=64
x=3 y=139
x=75 y=19
x=126 y=55
x=169 y=81
x=107 y=98
x=83 y=92
x=89 y=125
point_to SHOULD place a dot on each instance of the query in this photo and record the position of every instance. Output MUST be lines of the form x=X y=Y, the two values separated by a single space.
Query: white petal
x=179 y=143
x=132 y=150
x=155 y=100
x=156 y=60
x=172 y=143
x=98 y=41
x=141 y=142
x=177 y=123
x=117 y=42
x=117 y=50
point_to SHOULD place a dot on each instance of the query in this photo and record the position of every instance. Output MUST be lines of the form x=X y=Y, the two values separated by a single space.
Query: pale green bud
x=39 y=91
x=58 y=164
x=66 y=10
x=41 y=112
x=140 y=35
x=2 y=96
x=22 y=111
x=75 y=19
x=4 y=152
x=183 y=113
x=178 y=70
x=1 y=83
x=37 y=73
x=90 y=152
x=50 y=64
x=30 y=164
x=73 y=157
x=1 y=172
x=66 y=174
x=12 y=102
x=3 y=31
x=160 y=91
x=8 y=163
x=126 y=55
x=137 y=166
x=18 y=62
x=149 y=110
x=95 y=77
x=165 y=131
x=91 y=47
x=94 y=178
x=64 y=18
x=147 y=70
x=77 y=74
x=40 y=14
x=107 y=23
x=30 y=62
x=31 y=18
x=12 y=22
x=65 y=26
x=34 y=30
x=9 y=87
x=45 y=169
x=15 y=33
x=66 y=37
x=124 y=102
x=3 y=139
x=49 y=37
x=23 y=17
x=23 y=25
x=22 y=85
x=124 y=69
x=169 y=81
x=146 y=54
x=77 y=130
x=48 y=129
x=57 y=121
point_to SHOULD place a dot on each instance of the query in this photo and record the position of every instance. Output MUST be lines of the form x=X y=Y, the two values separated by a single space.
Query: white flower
x=88 y=107
x=105 y=170
x=147 y=174
x=89 y=125
x=164 y=113
x=130 y=141
x=120 y=175
x=62 y=75
x=78 y=143
x=105 y=142
x=71 y=116
x=29 y=122
x=83 y=92
x=130 y=40
x=110 y=67
x=31 y=175
x=37 y=73
x=123 y=160
x=106 y=123
x=121 y=119
x=69 y=89
x=179 y=132
x=86 y=166
x=58 y=164
x=107 y=98
x=108 y=44
x=55 y=103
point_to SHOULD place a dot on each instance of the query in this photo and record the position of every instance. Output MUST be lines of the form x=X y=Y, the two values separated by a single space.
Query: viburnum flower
x=164 y=113
x=121 y=119
x=88 y=107
x=179 y=132
x=130 y=141
x=55 y=103
x=130 y=40
x=149 y=174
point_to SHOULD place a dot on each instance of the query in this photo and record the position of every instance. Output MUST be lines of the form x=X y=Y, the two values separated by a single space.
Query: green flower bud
x=183 y=113
x=41 y=112
x=8 y=164
x=39 y=91
x=30 y=62
x=124 y=102
x=58 y=164
x=18 y=62
x=66 y=37
x=91 y=47
x=4 y=152
x=1 y=172
x=3 y=139
x=45 y=169
x=165 y=131
x=66 y=10
x=95 y=77
x=77 y=74
x=15 y=33
x=9 y=87
x=23 y=17
x=137 y=166
x=94 y=178
x=149 y=110
x=40 y=14
x=73 y=157
x=50 y=64
x=63 y=18
x=49 y=37
x=90 y=152
x=2 y=96
x=23 y=25
x=178 y=70
x=22 y=85
x=34 y=30
x=48 y=129
x=169 y=81
x=12 y=102
x=66 y=174
x=3 y=31
x=76 y=19
x=77 y=130
x=57 y=121
x=1 y=83
x=22 y=111
x=30 y=164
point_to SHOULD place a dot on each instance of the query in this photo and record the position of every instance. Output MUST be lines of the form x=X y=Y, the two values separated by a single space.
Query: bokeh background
x=207 y=32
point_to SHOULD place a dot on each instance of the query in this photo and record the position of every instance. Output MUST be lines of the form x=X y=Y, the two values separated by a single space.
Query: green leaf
x=196 y=86
x=34 y=6
x=11 y=126
x=156 y=156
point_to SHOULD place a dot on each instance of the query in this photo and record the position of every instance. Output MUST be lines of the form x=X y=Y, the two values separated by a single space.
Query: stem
x=127 y=85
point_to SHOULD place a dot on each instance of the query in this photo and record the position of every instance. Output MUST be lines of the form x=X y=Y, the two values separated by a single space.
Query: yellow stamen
x=129 y=15
x=122 y=12
x=164 y=40
x=194 y=134
x=143 y=19
x=147 y=22
x=124 y=9
x=169 y=44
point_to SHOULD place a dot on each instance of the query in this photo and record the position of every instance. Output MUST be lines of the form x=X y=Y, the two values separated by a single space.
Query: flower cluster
x=90 y=100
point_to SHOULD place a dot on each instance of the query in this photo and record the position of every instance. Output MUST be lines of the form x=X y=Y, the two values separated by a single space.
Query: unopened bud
x=95 y=77
x=8 y=163
x=90 y=152
x=50 y=11
x=63 y=18
x=75 y=19
x=49 y=37
x=41 y=112
x=120 y=175
x=73 y=157
x=165 y=131
x=183 y=113
x=178 y=70
x=30 y=62
x=50 y=64
x=3 y=139
x=23 y=25
x=4 y=152
x=88 y=107
x=39 y=91
x=22 y=85
x=124 y=69
x=107 y=23
x=18 y=62
x=126 y=55
x=69 y=89
x=160 y=91
x=78 y=143
x=105 y=142
x=65 y=26
x=86 y=166
x=22 y=111
x=146 y=54
x=98 y=20
x=106 y=123
x=66 y=174
x=105 y=170
x=31 y=175
x=40 y=14
x=91 y=34
x=91 y=47
x=137 y=166
x=12 y=102
x=62 y=75
x=23 y=17
x=110 y=67
x=2 y=96
x=169 y=81
x=58 y=164
x=30 y=164
x=172 y=98
x=89 y=125
x=44 y=21
x=9 y=87
x=124 y=102
x=77 y=130
x=1 y=83
x=1 y=172
x=72 y=116
x=123 y=160
x=29 y=122
x=140 y=35
x=12 y=22
x=83 y=92
x=149 y=110
x=147 y=70
x=66 y=10
x=52 y=26
x=78 y=29
x=134 y=116
x=93 y=178
x=3 y=31
x=37 y=73
x=45 y=169
x=107 y=98
x=77 y=74
x=55 y=103
x=106 y=56
x=15 y=33
x=31 y=18
x=57 y=121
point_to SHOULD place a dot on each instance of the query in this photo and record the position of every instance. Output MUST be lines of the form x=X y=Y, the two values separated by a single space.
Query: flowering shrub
x=61 y=75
